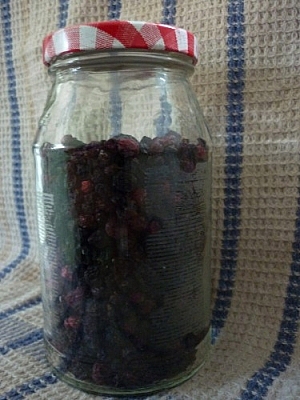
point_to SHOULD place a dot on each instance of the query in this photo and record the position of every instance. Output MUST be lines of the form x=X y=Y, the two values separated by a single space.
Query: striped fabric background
x=248 y=83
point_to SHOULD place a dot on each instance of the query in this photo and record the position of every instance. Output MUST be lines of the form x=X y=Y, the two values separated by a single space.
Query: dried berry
x=187 y=165
x=98 y=239
x=146 y=306
x=99 y=292
x=172 y=139
x=86 y=221
x=202 y=153
x=111 y=145
x=187 y=154
x=137 y=297
x=66 y=273
x=99 y=373
x=139 y=196
x=103 y=157
x=94 y=275
x=135 y=221
x=72 y=322
x=145 y=144
x=115 y=229
x=154 y=225
x=157 y=146
x=70 y=141
x=111 y=169
x=86 y=186
x=75 y=297
x=127 y=146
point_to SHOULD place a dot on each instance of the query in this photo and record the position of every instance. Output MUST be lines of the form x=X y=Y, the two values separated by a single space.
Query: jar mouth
x=121 y=60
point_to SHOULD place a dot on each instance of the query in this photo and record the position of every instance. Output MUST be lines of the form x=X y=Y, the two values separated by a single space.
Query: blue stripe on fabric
x=114 y=12
x=63 y=13
x=116 y=109
x=21 y=307
x=24 y=341
x=15 y=139
x=169 y=12
x=233 y=160
x=278 y=361
x=30 y=387
x=164 y=121
x=114 y=9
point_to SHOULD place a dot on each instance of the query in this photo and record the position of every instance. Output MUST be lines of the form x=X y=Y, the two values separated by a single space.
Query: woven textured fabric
x=248 y=83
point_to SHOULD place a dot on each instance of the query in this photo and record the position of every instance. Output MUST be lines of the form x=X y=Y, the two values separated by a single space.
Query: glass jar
x=123 y=181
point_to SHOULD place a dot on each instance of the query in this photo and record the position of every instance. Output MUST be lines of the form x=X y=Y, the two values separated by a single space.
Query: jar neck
x=127 y=59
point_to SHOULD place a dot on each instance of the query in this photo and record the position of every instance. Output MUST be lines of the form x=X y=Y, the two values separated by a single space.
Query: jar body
x=123 y=176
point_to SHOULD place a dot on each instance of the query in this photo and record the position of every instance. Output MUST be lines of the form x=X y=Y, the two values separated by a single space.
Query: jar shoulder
x=96 y=106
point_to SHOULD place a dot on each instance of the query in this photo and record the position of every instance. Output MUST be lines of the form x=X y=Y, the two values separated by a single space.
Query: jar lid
x=119 y=35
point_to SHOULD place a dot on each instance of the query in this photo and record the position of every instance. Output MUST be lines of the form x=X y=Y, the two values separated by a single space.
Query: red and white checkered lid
x=119 y=35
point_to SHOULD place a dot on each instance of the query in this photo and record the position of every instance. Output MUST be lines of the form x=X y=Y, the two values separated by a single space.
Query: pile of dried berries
x=126 y=236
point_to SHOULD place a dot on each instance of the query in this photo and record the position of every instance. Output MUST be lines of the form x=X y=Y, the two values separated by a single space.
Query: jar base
x=56 y=358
